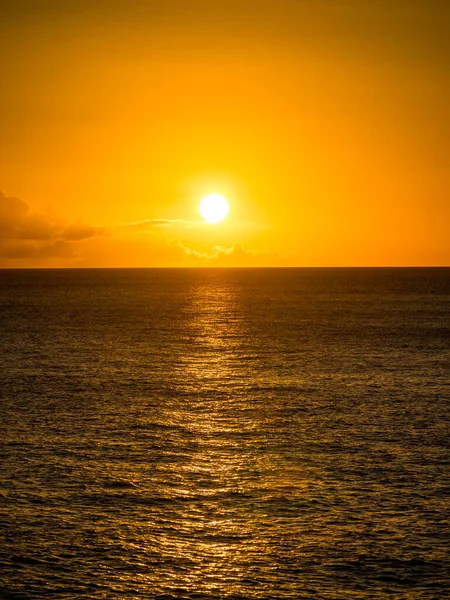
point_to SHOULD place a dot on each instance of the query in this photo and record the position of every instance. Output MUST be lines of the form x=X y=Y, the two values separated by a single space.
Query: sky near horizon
x=325 y=123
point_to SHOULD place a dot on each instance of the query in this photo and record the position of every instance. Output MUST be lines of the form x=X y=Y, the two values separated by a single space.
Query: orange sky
x=324 y=122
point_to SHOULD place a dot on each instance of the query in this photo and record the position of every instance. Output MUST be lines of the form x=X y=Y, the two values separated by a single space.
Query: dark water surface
x=279 y=433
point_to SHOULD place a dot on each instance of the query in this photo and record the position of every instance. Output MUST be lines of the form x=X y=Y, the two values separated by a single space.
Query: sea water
x=253 y=434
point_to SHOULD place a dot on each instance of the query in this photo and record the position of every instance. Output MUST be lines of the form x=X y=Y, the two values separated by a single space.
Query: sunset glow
x=325 y=124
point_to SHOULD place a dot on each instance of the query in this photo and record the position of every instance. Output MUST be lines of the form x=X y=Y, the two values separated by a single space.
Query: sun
x=214 y=208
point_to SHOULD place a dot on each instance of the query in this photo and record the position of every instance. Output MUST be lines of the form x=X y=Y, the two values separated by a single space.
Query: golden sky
x=325 y=123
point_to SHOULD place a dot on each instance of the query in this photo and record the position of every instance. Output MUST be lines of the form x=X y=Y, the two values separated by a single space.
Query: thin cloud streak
x=150 y=223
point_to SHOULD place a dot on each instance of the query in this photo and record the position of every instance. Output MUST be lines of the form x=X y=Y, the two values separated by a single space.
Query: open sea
x=240 y=434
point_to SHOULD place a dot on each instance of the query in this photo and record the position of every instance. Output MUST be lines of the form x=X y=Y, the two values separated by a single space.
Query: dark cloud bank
x=29 y=235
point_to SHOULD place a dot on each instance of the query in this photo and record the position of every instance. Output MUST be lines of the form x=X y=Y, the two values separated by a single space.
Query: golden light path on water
x=214 y=537
x=223 y=530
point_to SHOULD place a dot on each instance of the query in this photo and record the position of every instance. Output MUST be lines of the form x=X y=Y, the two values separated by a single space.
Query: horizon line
x=217 y=267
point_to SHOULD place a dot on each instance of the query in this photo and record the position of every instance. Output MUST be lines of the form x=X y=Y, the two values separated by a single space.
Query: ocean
x=225 y=433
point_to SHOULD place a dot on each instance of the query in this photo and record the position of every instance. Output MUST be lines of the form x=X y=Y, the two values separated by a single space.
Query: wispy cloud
x=150 y=223
x=235 y=255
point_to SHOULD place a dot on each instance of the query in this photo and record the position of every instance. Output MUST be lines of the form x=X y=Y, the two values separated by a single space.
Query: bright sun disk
x=214 y=208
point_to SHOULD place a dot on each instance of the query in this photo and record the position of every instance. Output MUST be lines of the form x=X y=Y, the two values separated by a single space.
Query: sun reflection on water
x=214 y=326
x=215 y=534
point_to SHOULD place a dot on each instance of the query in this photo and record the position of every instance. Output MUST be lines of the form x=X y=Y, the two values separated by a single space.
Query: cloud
x=223 y=256
x=150 y=223
x=31 y=235
x=75 y=233
x=57 y=249
x=12 y=211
